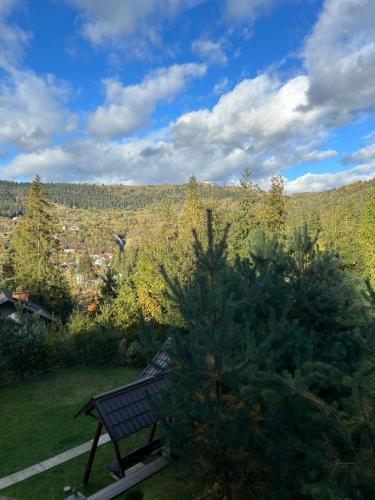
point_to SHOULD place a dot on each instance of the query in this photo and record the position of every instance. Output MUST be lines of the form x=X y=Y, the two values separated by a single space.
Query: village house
x=10 y=301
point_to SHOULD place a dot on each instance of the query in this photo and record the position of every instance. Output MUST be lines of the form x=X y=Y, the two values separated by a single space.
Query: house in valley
x=9 y=303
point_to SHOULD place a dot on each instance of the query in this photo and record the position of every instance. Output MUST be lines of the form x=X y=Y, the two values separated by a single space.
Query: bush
x=90 y=343
x=24 y=345
x=134 y=353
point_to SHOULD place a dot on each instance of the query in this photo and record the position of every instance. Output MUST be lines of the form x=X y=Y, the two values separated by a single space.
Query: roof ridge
x=135 y=384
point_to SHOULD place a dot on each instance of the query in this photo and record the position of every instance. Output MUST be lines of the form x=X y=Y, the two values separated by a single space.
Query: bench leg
x=118 y=458
x=152 y=433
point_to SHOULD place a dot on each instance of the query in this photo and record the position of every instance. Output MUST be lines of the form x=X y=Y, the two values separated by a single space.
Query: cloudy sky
x=151 y=91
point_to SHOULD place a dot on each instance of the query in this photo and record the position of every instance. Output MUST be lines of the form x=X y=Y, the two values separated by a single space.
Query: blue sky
x=151 y=91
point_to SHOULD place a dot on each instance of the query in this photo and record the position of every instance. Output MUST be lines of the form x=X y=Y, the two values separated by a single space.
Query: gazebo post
x=152 y=432
x=118 y=458
x=94 y=445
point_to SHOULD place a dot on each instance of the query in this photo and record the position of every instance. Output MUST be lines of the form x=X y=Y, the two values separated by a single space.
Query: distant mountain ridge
x=121 y=197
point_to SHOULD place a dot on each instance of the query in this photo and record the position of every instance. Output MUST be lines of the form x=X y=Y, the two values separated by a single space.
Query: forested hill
x=351 y=194
x=12 y=195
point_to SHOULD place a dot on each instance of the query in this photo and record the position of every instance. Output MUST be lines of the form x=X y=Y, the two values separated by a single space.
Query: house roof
x=6 y=297
x=158 y=364
x=127 y=410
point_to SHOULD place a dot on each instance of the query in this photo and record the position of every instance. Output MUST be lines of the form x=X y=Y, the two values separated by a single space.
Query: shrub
x=90 y=343
x=24 y=345
x=134 y=353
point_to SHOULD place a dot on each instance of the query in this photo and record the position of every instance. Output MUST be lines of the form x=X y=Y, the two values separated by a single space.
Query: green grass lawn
x=36 y=422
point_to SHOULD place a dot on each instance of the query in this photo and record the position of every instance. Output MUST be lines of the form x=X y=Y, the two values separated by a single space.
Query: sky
x=153 y=91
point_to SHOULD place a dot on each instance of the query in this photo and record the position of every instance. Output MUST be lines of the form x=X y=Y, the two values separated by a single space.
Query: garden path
x=33 y=470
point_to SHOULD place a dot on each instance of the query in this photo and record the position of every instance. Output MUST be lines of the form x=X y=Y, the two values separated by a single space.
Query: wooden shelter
x=125 y=411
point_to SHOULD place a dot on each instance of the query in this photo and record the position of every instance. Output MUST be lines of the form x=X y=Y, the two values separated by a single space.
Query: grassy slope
x=36 y=422
x=36 y=417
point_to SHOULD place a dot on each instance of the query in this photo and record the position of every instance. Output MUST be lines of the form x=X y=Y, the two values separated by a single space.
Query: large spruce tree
x=270 y=379
x=35 y=257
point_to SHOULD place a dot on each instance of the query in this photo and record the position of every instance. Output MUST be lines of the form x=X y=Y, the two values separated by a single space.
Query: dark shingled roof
x=127 y=410
x=29 y=306
x=158 y=364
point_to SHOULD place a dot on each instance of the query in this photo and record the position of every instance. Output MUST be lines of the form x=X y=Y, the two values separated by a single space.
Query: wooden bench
x=136 y=456
x=134 y=476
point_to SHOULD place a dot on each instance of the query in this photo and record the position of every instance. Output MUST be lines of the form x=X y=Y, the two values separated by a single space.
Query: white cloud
x=131 y=163
x=221 y=86
x=32 y=109
x=340 y=58
x=209 y=51
x=246 y=10
x=129 y=107
x=259 y=124
x=12 y=38
x=321 y=182
x=313 y=156
x=363 y=155
x=111 y=20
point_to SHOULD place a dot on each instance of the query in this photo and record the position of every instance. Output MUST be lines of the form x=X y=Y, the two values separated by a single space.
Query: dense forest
x=92 y=196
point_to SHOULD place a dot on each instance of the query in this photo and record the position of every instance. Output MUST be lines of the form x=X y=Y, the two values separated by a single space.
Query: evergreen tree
x=263 y=392
x=109 y=285
x=8 y=273
x=248 y=218
x=314 y=222
x=35 y=253
x=248 y=202
x=85 y=267
x=203 y=400
x=276 y=206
